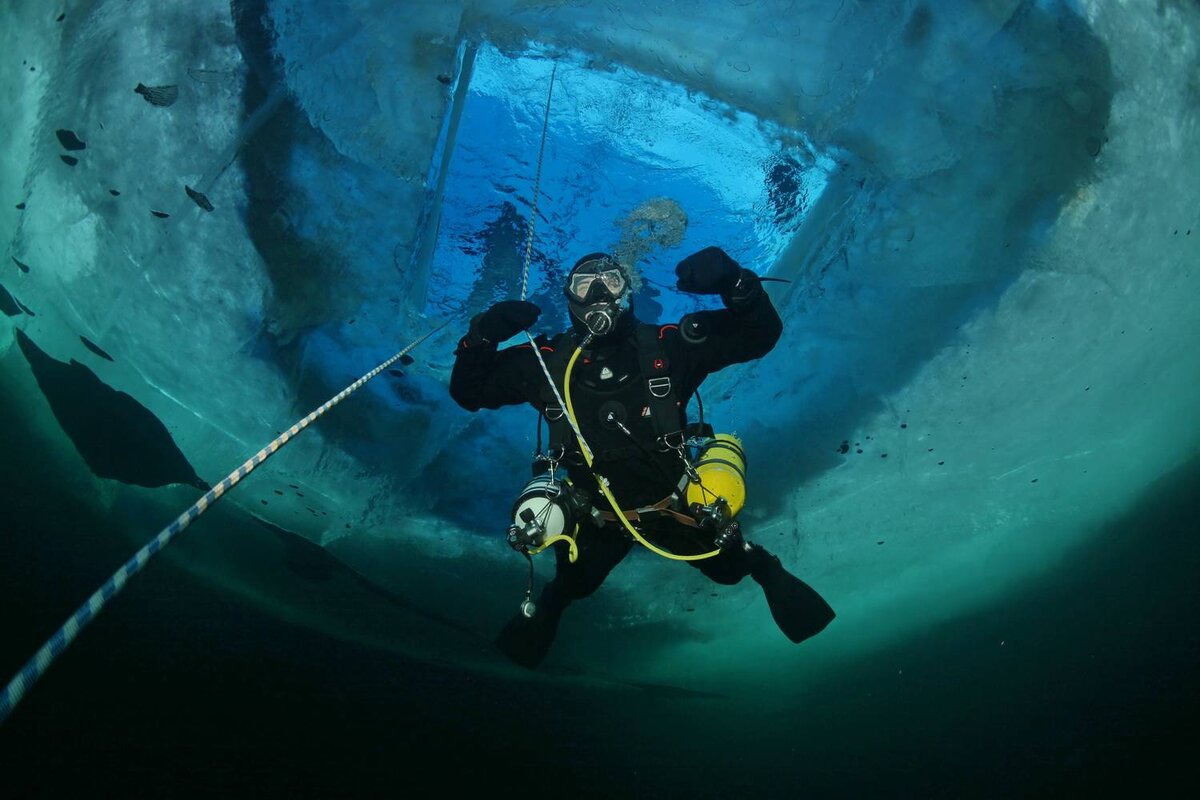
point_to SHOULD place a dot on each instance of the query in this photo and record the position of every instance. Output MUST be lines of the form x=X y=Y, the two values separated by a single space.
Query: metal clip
x=671 y=441
x=677 y=442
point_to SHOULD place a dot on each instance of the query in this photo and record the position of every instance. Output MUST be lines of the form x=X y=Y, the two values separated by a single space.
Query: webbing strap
x=662 y=507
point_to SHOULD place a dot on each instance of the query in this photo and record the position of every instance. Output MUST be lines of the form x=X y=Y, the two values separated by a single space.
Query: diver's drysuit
x=617 y=383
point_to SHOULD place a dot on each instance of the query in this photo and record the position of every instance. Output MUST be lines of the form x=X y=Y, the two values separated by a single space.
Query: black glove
x=505 y=319
x=709 y=271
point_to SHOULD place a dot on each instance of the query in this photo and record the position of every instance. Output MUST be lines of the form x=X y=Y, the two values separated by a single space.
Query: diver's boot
x=526 y=640
x=798 y=610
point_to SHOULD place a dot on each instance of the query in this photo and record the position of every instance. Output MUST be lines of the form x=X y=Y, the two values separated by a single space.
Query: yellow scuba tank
x=721 y=465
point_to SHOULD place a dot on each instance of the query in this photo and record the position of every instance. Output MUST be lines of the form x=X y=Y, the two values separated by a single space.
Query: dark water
x=179 y=689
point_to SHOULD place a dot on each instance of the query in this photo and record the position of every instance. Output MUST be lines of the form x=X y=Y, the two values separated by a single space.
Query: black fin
x=798 y=610
x=526 y=640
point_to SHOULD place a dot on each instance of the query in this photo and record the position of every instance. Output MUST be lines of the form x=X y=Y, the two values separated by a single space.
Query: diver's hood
x=599 y=296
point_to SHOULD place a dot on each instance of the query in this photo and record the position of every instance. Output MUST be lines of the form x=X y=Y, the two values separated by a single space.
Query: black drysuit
x=607 y=381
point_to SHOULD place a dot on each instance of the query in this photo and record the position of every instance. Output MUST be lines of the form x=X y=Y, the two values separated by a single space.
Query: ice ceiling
x=988 y=215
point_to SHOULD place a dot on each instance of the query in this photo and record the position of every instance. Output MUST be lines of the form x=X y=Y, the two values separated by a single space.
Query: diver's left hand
x=709 y=271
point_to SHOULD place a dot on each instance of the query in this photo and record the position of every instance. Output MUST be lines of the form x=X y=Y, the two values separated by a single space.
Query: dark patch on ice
x=199 y=197
x=9 y=304
x=158 y=95
x=313 y=562
x=916 y=31
x=300 y=556
x=69 y=140
x=21 y=265
x=210 y=76
x=95 y=348
x=117 y=436
x=674 y=692
x=70 y=161
x=159 y=214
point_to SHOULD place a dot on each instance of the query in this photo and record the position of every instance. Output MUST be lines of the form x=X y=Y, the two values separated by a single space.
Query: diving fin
x=798 y=610
x=526 y=640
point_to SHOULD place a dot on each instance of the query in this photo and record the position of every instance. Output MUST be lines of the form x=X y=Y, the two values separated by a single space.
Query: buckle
x=660 y=386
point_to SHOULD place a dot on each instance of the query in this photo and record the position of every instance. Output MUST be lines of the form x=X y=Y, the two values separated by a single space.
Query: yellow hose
x=562 y=537
x=587 y=454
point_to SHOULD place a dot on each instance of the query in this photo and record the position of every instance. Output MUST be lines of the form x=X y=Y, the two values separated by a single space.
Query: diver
x=630 y=385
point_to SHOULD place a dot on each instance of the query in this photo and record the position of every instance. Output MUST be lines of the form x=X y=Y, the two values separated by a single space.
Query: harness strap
x=661 y=508
x=660 y=395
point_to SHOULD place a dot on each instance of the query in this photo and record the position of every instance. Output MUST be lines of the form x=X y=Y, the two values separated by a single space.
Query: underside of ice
x=984 y=216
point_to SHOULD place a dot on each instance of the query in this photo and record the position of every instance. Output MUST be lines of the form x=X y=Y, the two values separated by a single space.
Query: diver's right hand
x=505 y=319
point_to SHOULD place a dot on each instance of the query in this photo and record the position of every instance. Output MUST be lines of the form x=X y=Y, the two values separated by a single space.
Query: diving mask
x=607 y=280
x=598 y=292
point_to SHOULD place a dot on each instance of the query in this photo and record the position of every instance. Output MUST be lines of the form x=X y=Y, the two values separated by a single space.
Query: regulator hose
x=603 y=483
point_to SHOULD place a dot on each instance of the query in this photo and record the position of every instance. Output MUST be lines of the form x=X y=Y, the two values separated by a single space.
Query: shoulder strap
x=554 y=414
x=661 y=395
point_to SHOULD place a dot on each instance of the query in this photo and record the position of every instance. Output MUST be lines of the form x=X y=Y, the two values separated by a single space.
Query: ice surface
x=995 y=289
